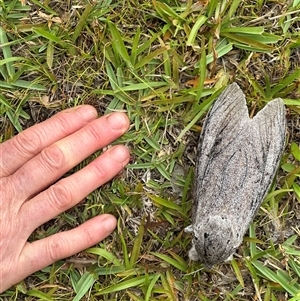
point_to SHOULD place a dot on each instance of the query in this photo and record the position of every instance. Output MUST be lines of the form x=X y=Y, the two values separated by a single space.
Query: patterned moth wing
x=236 y=164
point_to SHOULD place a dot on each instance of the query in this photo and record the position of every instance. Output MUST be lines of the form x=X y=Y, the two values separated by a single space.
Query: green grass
x=164 y=63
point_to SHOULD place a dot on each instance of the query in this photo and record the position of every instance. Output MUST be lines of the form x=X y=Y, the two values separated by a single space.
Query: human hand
x=30 y=163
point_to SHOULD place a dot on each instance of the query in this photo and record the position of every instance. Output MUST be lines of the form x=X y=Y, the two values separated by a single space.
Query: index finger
x=23 y=147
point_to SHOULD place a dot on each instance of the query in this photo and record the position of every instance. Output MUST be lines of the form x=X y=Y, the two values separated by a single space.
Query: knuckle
x=60 y=197
x=52 y=158
x=57 y=246
x=28 y=142
x=5 y=191
x=88 y=237
x=95 y=132
x=62 y=123
x=100 y=171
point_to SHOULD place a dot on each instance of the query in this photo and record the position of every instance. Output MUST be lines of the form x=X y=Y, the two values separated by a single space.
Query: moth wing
x=223 y=123
x=269 y=129
x=254 y=165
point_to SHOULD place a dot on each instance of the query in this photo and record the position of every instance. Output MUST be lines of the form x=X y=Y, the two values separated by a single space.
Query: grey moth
x=236 y=164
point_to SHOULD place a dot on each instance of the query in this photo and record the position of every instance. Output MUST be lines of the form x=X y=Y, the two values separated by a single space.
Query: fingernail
x=109 y=223
x=118 y=121
x=87 y=112
x=120 y=153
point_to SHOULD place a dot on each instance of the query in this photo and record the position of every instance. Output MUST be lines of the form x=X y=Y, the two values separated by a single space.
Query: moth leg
x=189 y=229
x=193 y=254
x=229 y=258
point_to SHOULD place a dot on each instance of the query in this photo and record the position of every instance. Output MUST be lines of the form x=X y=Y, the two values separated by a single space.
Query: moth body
x=236 y=163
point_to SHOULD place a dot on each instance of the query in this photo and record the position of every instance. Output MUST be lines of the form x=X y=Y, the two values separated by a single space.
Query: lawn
x=163 y=62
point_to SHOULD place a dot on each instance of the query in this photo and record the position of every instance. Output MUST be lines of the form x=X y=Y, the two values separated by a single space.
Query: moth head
x=215 y=240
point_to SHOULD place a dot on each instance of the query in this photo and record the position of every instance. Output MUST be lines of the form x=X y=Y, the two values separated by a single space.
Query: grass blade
x=237 y=271
x=118 y=44
x=84 y=284
x=7 y=54
x=147 y=59
x=277 y=278
x=82 y=21
x=105 y=254
x=182 y=265
x=195 y=29
x=151 y=286
x=123 y=285
x=136 y=249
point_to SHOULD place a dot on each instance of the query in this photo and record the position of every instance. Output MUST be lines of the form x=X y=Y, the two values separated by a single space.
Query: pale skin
x=29 y=165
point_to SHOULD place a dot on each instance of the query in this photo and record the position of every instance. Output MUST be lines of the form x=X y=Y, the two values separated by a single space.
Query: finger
x=44 y=252
x=71 y=190
x=30 y=142
x=60 y=157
